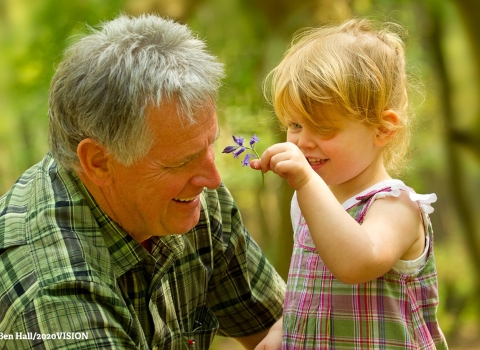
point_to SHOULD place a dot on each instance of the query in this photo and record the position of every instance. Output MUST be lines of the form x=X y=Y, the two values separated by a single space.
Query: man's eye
x=176 y=166
x=182 y=165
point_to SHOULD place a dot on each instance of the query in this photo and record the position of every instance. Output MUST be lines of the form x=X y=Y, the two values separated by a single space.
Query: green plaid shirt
x=70 y=278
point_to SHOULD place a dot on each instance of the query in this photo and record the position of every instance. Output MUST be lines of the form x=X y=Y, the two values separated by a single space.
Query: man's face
x=160 y=194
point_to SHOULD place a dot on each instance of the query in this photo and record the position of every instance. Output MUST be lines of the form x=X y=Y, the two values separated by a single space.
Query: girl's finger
x=256 y=164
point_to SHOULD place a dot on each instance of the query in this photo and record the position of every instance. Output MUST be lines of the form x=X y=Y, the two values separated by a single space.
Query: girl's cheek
x=292 y=138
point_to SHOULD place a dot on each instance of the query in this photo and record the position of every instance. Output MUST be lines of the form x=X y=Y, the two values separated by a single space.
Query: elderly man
x=123 y=236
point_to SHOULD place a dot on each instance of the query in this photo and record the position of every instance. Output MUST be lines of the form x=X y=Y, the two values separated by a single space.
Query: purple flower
x=239 y=148
x=238 y=140
x=246 y=161
x=254 y=140
x=229 y=149
x=238 y=152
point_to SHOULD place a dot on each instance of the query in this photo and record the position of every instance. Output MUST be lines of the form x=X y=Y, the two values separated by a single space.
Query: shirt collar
x=125 y=252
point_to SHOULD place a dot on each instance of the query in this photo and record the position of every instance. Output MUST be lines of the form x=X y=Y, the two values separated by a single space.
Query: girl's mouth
x=316 y=161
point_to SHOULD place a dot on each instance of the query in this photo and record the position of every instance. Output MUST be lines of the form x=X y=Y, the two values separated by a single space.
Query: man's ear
x=95 y=162
x=384 y=134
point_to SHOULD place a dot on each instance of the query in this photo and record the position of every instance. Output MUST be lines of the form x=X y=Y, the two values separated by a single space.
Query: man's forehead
x=168 y=117
x=176 y=139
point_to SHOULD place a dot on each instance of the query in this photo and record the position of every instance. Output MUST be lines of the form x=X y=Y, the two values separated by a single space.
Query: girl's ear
x=385 y=134
x=95 y=162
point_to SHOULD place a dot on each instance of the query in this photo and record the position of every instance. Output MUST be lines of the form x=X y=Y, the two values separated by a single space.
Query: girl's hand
x=273 y=340
x=286 y=160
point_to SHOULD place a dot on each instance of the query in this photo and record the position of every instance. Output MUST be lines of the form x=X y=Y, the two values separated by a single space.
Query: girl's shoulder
x=393 y=188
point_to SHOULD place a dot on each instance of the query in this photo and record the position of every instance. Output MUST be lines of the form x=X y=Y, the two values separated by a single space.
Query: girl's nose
x=305 y=139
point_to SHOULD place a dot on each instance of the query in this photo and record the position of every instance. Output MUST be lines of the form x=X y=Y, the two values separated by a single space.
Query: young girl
x=363 y=274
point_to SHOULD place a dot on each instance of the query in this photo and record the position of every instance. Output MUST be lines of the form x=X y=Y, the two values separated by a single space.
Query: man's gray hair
x=109 y=79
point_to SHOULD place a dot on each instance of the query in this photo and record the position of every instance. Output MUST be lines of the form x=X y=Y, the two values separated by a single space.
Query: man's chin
x=183 y=227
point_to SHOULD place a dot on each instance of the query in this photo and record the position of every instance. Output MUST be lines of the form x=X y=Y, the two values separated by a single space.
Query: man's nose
x=208 y=175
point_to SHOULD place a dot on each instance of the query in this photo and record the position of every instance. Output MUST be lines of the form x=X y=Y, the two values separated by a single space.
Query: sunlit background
x=250 y=36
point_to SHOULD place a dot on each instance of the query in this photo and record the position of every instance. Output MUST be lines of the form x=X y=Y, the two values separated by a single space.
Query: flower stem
x=258 y=157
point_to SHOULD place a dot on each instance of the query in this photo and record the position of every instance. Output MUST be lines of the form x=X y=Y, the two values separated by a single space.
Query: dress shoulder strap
x=358 y=205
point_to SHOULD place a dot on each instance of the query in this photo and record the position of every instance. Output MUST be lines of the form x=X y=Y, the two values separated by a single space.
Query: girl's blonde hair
x=354 y=68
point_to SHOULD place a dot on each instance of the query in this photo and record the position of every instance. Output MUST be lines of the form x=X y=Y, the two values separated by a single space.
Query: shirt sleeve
x=245 y=293
x=76 y=320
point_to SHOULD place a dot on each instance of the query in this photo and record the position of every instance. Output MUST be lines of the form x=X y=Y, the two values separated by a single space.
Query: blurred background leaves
x=250 y=37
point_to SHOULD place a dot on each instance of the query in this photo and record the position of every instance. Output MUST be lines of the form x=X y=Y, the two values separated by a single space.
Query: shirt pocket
x=196 y=334
x=202 y=330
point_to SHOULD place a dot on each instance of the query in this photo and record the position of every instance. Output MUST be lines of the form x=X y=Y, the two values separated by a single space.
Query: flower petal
x=254 y=140
x=229 y=149
x=238 y=152
x=246 y=161
x=238 y=140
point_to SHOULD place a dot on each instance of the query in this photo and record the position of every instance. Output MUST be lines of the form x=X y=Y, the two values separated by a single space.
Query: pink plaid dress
x=395 y=311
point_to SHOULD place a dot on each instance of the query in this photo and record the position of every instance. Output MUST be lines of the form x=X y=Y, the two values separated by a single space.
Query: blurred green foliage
x=250 y=37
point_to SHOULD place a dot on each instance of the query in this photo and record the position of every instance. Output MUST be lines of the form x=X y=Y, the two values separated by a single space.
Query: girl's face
x=350 y=159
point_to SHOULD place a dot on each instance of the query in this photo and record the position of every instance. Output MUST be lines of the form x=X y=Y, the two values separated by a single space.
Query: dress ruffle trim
x=423 y=200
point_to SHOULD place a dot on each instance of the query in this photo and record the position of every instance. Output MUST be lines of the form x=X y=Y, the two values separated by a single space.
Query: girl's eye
x=294 y=126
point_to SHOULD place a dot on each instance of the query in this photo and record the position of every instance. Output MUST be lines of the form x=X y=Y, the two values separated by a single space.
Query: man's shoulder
x=49 y=242
x=47 y=247
x=44 y=220
x=42 y=199
x=20 y=203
